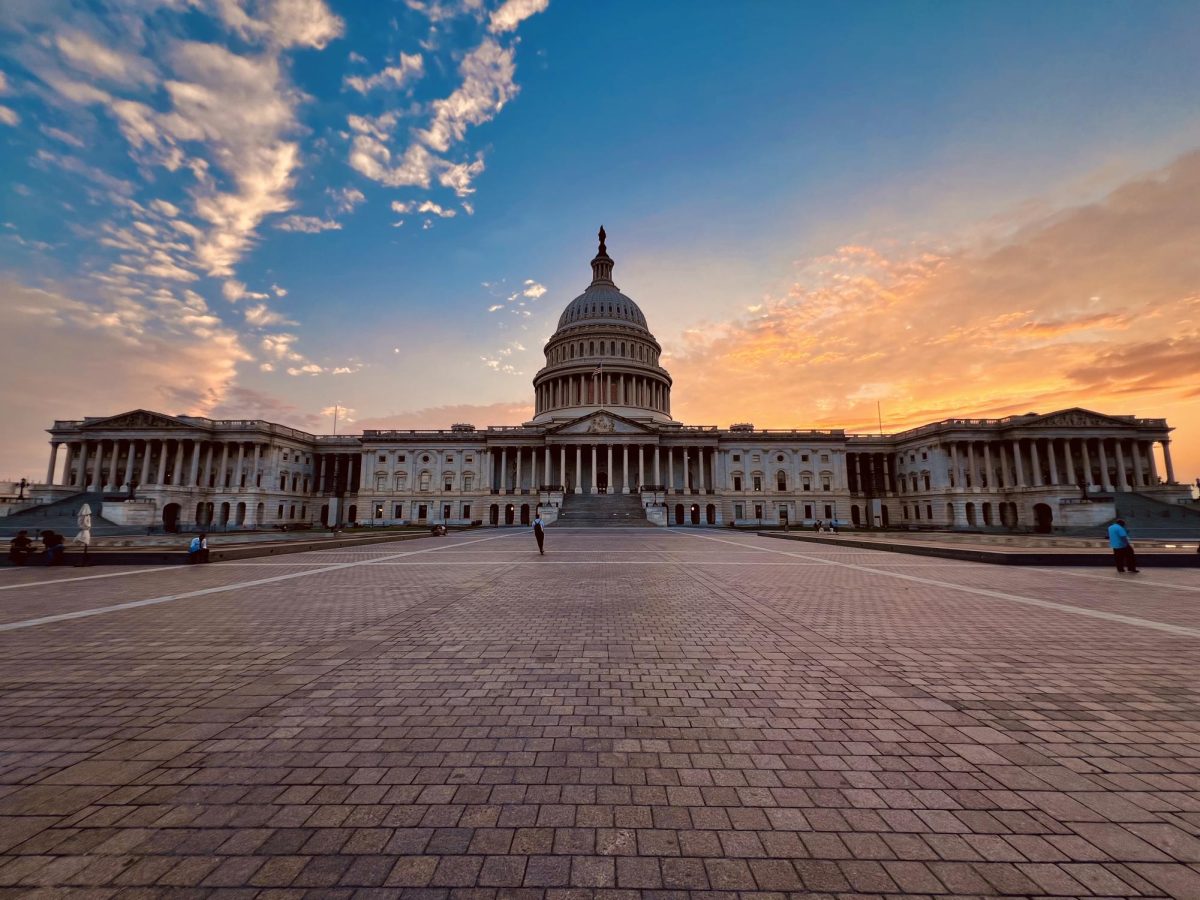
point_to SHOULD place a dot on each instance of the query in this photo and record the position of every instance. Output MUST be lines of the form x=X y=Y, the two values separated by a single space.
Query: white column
x=1005 y=472
x=224 y=466
x=130 y=457
x=1035 y=463
x=1153 y=464
x=164 y=449
x=1139 y=478
x=1018 y=464
x=177 y=476
x=624 y=464
x=1053 y=461
x=366 y=473
x=670 y=469
x=194 y=470
x=208 y=463
x=547 y=475
x=241 y=461
x=54 y=445
x=593 y=481
x=98 y=471
x=1087 y=460
x=611 y=480
x=957 y=473
x=112 y=465
x=562 y=466
x=145 y=476
x=1105 y=481
x=1069 y=462
x=657 y=469
x=641 y=479
x=973 y=462
x=987 y=466
x=81 y=474
x=1166 y=445
x=519 y=451
x=579 y=468
x=504 y=470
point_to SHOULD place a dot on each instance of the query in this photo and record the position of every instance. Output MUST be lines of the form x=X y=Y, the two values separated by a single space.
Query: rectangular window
x=422 y=512
x=737 y=482
x=757 y=458
x=449 y=486
x=758 y=510
x=737 y=457
x=824 y=457
x=466 y=510
x=807 y=484
x=825 y=482
x=758 y=484
x=808 y=510
x=929 y=510
x=739 y=511
x=445 y=511
x=803 y=457
x=397 y=510
x=400 y=458
x=828 y=511
x=378 y=511
x=382 y=457
x=470 y=459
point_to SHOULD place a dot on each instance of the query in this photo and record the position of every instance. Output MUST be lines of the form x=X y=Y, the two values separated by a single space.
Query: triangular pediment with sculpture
x=1076 y=417
x=601 y=423
x=137 y=418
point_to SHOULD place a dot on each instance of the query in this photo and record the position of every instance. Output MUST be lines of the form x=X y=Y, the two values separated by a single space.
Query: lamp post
x=21 y=485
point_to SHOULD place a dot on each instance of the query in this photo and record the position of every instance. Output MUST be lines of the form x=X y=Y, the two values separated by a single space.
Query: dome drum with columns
x=602 y=437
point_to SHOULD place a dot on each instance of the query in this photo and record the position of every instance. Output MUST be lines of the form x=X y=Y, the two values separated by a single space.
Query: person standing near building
x=539 y=532
x=1118 y=539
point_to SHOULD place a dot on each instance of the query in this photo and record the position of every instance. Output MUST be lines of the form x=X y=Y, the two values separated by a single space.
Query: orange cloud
x=1096 y=305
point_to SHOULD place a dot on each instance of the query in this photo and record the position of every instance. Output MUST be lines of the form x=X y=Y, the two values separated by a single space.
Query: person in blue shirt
x=1118 y=539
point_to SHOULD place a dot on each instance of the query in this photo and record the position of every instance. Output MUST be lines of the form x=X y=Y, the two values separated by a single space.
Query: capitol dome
x=602 y=356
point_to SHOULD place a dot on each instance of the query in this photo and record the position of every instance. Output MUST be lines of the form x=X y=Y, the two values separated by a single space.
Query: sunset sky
x=266 y=208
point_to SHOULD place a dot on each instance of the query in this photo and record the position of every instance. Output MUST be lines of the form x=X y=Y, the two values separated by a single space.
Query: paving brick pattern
x=654 y=714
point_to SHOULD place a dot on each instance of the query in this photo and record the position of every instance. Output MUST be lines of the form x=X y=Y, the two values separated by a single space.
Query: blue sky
x=202 y=197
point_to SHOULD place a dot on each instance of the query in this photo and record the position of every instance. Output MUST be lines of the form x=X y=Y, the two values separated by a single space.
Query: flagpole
x=879 y=413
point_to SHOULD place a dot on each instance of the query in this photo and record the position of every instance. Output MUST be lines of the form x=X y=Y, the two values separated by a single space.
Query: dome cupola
x=602 y=356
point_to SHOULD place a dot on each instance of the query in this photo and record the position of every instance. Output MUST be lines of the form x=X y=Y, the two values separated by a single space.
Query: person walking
x=1118 y=539
x=539 y=532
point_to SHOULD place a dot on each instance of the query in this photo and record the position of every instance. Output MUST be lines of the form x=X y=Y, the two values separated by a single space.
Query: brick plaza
x=638 y=713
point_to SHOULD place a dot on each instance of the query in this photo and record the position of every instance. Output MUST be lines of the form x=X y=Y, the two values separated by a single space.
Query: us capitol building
x=602 y=445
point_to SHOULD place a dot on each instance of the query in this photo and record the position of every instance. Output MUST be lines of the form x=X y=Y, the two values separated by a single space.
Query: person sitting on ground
x=198 y=549
x=20 y=549
x=54 y=547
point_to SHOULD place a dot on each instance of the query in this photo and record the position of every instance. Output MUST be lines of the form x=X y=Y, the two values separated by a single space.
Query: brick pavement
x=645 y=713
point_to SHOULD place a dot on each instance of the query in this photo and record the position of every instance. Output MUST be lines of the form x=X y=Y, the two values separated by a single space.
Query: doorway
x=1043 y=518
x=170 y=517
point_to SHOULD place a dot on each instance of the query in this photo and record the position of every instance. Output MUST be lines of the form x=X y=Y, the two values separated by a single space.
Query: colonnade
x=112 y=464
x=601 y=467
x=603 y=389
x=1112 y=464
x=338 y=473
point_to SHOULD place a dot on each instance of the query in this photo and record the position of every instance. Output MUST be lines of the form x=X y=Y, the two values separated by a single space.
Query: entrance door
x=695 y=514
x=524 y=513
x=509 y=510
x=1043 y=519
x=422 y=512
x=678 y=513
x=494 y=514
x=602 y=482
x=171 y=517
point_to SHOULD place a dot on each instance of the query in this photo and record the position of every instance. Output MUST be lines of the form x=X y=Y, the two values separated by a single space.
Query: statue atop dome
x=603 y=249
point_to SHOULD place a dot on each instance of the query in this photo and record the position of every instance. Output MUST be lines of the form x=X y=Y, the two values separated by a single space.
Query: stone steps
x=603 y=511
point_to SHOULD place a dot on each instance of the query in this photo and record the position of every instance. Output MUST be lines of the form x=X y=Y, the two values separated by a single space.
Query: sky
x=272 y=208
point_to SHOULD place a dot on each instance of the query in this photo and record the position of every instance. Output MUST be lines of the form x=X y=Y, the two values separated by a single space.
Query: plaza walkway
x=647 y=713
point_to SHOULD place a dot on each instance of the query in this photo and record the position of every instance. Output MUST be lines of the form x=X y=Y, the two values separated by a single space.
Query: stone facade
x=602 y=424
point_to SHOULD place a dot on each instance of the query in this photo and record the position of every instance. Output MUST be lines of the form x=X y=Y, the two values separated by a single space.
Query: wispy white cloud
x=512 y=13
x=488 y=83
x=432 y=208
x=409 y=69
x=533 y=289
x=307 y=224
x=281 y=23
x=8 y=116
x=345 y=199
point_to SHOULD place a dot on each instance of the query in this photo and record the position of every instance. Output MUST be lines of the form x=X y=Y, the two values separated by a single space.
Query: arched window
x=283 y=481
x=381 y=482
x=426 y=478
x=591 y=348
x=401 y=480
x=781 y=480
x=572 y=351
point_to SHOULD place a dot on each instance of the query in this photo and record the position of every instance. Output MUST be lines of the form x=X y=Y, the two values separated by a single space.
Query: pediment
x=601 y=423
x=137 y=418
x=1076 y=418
